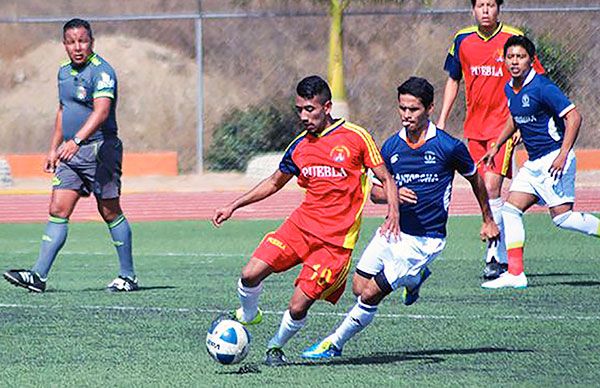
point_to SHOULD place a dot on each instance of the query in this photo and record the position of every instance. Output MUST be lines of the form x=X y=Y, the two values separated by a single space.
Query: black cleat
x=275 y=357
x=26 y=279
x=493 y=269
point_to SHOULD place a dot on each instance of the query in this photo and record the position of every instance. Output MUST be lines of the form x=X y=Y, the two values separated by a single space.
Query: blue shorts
x=95 y=168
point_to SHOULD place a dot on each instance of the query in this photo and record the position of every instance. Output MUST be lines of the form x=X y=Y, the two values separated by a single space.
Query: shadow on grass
x=428 y=356
x=583 y=283
x=142 y=288
x=554 y=274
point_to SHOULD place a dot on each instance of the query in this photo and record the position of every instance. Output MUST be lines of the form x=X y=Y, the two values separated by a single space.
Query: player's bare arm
x=405 y=195
x=91 y=125
x=572 y=125
x=509 y=131
x=391 y=225
x=264 y=189
x=450 y=94
x=51 y=161
x=489 y=230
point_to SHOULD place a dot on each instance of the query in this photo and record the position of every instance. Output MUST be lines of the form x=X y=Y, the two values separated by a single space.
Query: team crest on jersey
x=525 y=101
x=429 y=157
x=81 y=93
x=499 y=55
x=339 y=153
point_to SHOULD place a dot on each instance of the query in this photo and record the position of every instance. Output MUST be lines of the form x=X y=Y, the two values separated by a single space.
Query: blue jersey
x=77 y=88
x=538 y=110
x=428 y=171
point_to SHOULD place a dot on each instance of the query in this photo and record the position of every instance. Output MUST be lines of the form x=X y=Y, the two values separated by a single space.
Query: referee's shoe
x=26 y=279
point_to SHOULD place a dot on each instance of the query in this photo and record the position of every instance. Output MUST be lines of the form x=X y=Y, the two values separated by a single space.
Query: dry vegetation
x=246 y=62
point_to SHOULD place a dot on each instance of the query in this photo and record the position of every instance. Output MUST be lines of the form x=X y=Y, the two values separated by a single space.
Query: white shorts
x=401 y=261
x=534 y=178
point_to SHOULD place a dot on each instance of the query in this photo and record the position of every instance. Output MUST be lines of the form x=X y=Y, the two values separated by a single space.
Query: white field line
x=316 y=313
x=152 y=254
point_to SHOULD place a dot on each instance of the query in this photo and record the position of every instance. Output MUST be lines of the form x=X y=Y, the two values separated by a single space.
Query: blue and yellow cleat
x=411 y=296
x=237 y=316
x=322 y=350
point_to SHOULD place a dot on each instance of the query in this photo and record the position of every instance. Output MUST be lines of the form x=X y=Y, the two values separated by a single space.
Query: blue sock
x=53 y=239
x=121 y=236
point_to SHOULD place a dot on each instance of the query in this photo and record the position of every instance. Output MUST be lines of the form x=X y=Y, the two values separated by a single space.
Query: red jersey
x=480 y=60
x=332 y=167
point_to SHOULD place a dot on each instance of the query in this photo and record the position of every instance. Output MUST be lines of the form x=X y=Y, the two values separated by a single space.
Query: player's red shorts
x=502 y=161
x=324 y=266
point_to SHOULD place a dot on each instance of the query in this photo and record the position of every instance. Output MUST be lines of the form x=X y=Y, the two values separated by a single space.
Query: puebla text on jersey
x=77 y=88
x=428 y=171
x=538 y=110
x=332 y=168
x=480 y=61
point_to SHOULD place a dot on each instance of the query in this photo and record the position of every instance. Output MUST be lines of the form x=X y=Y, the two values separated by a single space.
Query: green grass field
x=76 y=334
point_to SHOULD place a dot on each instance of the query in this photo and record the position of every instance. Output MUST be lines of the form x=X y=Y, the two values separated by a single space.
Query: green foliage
x=560 y=63
x=243 y=134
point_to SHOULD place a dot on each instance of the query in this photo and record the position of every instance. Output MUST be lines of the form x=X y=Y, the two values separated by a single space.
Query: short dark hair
x=313 y=86
x=498 y=3
x=418 y=87
x=76 y=23
x=520 y=40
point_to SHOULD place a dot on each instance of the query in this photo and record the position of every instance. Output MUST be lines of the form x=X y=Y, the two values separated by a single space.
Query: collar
x=336 y=124
x=431 y=132
x=487 y=38
x=527 y=81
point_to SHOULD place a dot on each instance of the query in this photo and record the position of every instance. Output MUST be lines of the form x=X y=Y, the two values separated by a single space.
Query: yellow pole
x=335 y=69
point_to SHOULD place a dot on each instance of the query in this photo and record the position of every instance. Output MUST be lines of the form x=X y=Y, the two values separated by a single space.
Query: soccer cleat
x=275 y=357
x=123 y=284
x=321 y=350
x=238 y=315
x=26 y=279
x=411 y=296
x=494 y=269
x=507 y=280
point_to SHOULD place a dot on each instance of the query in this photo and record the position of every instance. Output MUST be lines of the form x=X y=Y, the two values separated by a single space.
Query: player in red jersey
x=330 y=158
x=476 y=55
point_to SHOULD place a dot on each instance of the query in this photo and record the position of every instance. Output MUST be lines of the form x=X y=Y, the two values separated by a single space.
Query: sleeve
x=287 y=164
x=372 y=156
x=452 y=65
x=556 y=100
x=384 y=155
x=105 y=82
x=60 y=101
x=461 y=160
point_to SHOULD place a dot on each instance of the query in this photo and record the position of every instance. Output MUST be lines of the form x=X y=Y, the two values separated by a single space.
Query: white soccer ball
x=227 y=341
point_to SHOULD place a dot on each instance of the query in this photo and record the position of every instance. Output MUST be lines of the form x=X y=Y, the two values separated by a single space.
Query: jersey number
x=324 y=277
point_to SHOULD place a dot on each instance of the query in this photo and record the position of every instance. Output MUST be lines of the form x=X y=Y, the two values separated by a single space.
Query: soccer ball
x=227 y=341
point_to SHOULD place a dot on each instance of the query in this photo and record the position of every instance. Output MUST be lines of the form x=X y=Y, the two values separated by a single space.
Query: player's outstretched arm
x=391 y=225
x=405 y=195
x=264 y=189
x=450 y=94
x=489 y=230
x=572 y=125
x=509 y=131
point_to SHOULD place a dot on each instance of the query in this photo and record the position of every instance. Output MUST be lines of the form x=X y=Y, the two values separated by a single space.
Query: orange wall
x=134 y=164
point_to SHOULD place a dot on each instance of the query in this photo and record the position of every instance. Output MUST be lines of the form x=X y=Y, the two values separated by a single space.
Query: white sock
x=579 y=222
x=249 y=300
x=287 y=329
x=497 y=250
x=359 y=317
x=513 y=220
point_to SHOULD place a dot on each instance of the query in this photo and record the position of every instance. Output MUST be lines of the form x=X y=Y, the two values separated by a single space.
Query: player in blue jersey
x=85 y=156
x=549 y=125
x=422 y=159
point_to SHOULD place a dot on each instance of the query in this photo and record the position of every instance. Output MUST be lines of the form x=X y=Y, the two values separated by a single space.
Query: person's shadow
x=433 y=356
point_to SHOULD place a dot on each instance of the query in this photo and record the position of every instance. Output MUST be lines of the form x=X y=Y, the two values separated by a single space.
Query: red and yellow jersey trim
x=352 y=235
x=374 y=153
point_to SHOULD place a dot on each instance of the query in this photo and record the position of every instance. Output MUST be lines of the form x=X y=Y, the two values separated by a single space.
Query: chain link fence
x=251 y=56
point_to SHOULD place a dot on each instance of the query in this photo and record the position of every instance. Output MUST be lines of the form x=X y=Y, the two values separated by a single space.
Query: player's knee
x=297 y=311
x=372 y=294
x=57 y=210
